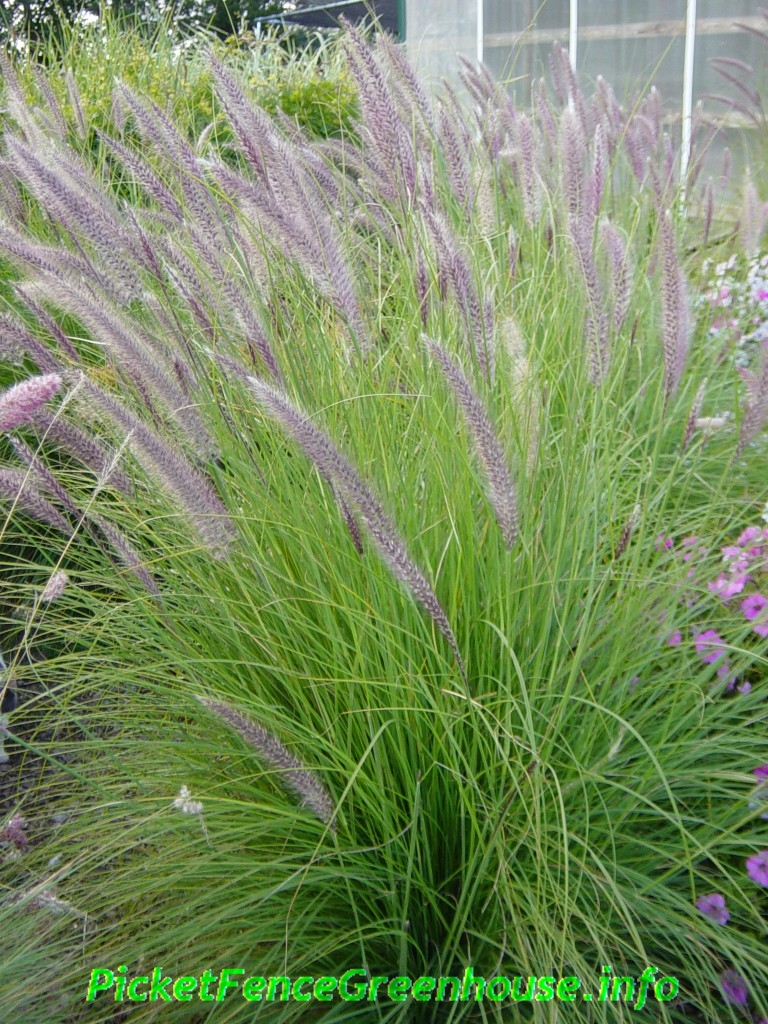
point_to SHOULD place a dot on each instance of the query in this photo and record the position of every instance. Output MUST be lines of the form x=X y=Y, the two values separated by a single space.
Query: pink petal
x=749 y=534
x=753 y=606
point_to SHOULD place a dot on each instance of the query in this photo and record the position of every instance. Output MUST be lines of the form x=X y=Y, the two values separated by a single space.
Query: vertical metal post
x=480 y=32
x=690 y=43
x=573 y=33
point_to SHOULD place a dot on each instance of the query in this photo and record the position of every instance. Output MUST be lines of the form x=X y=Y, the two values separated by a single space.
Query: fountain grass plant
x=387 y=518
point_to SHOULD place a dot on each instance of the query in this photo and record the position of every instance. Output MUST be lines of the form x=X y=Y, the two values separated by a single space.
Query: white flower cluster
x=737 y=296
x=186 y=804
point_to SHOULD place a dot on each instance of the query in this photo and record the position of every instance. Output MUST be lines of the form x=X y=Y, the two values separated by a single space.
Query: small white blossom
x=185 y=804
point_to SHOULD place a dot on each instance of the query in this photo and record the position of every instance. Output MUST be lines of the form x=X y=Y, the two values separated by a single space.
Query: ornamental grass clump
x=382 y=526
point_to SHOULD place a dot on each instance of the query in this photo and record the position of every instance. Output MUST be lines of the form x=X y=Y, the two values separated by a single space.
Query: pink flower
x=727 y=588
x=713 y=907
x=732 y=551
x=734 y=988
x=724 y=672
x=753 y=606
x=749 y=534
x=761 y=772
x=705 y=642
x=675 y=638
x=757 y=868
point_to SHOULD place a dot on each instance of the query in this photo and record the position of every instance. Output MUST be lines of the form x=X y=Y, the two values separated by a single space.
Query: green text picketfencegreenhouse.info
x=356 y=985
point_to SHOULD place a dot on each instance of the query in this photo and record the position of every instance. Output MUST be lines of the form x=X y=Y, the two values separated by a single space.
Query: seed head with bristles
x=708 y=209
x=19 y=403
x=523 y=393
x=501 y=492
x=295 y=775
x=17 y=489
x=55 y=587
x=172 y=471
x=620 y=271
x=756 y=411
x=333 y=467
x=626 y=534
x=674 y=304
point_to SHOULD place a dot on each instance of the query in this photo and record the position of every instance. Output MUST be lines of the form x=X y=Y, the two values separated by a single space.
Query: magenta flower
x=749 y=534
x=757 y=868
x=19 y=403
x=675 y=638
x=707 y=644
x=734 y=988
x=753 y=606
x=724 y=672
x=713 y=907
x=662 y=541
x=761 y=771
x=726 y=587
x=731 y=551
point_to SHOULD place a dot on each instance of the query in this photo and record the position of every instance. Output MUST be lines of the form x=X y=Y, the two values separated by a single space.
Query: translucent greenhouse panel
x=437 y=31
x=719 y=37
x=518 y=40
x=632 y=44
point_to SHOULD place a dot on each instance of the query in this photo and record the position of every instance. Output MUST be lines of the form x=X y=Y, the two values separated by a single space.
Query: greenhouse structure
x=677 y=46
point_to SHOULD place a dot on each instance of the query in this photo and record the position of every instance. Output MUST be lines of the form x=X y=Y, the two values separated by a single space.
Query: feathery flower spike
x=19 y=403
x=487 y=445
x=296 y=776
x=332 y=465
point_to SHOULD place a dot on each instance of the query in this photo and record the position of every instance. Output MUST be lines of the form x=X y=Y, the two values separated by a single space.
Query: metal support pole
x=690 y=43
